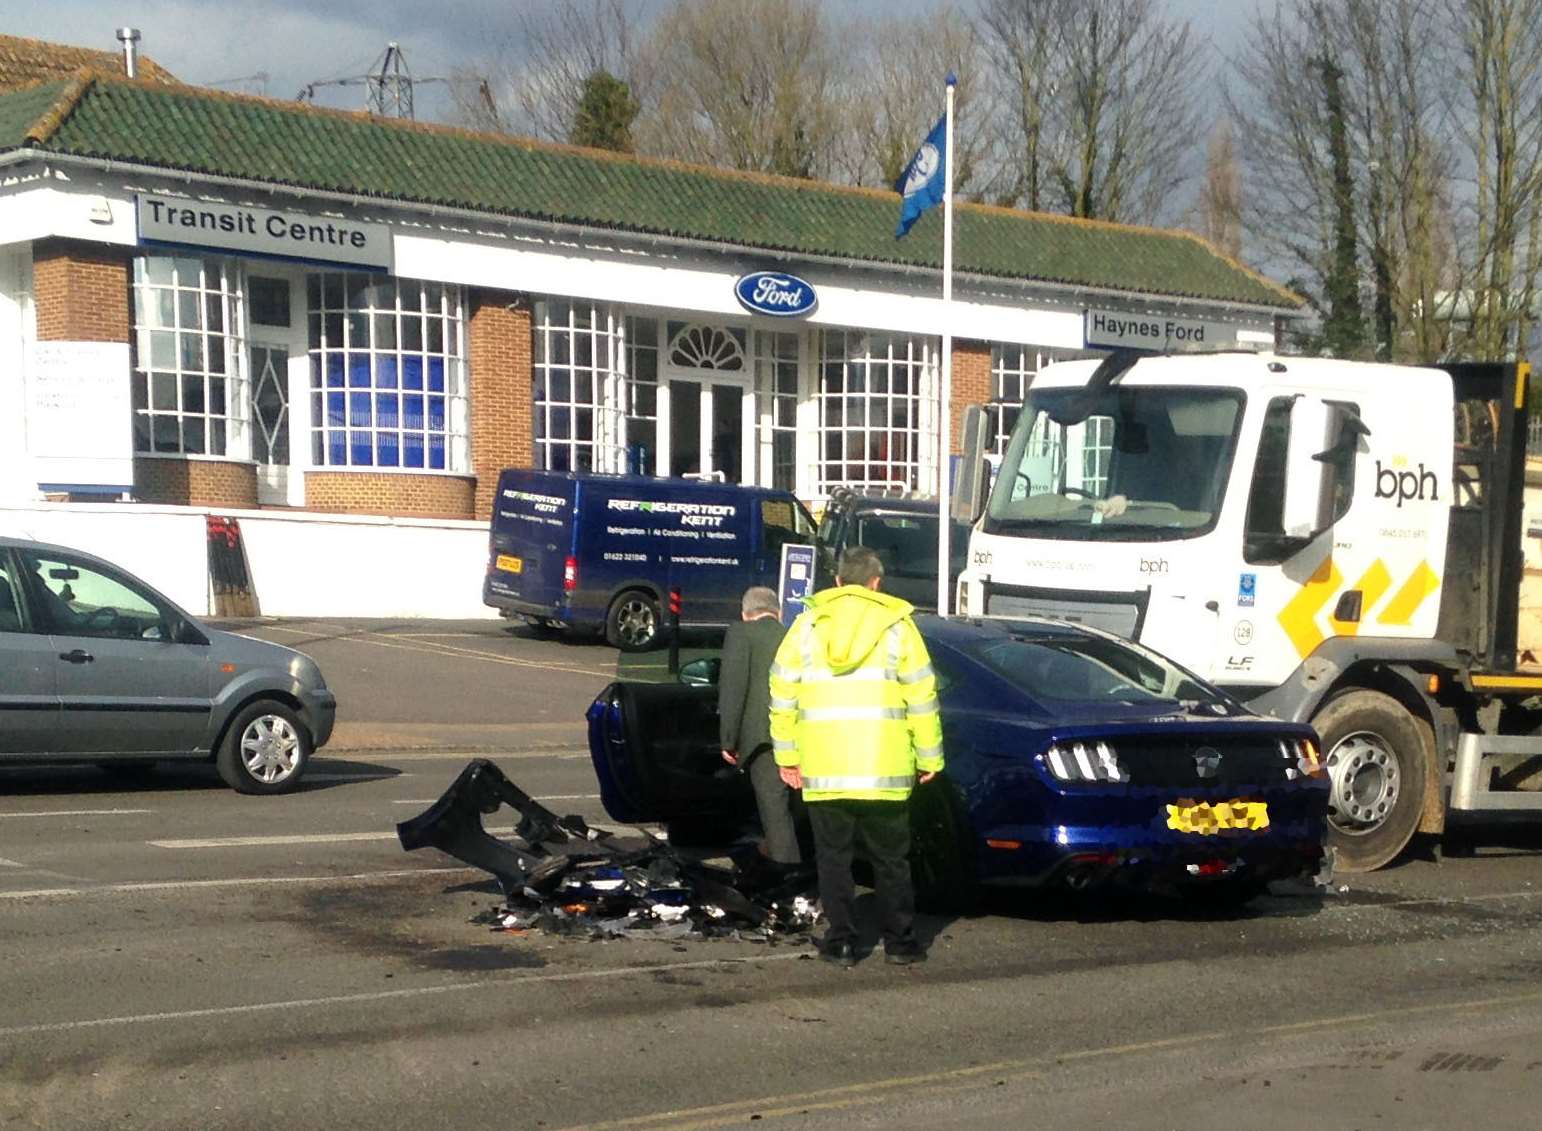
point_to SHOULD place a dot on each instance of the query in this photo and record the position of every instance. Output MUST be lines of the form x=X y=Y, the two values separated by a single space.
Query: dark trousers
x=884 y=827
x=774 y=800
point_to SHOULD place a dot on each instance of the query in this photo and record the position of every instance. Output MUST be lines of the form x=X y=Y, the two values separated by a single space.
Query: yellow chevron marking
x=1373 y=586
x=1299 y=616
x=1400 y=610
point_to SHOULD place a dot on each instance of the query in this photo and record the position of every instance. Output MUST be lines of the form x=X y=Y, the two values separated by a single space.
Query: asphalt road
x=179 y=956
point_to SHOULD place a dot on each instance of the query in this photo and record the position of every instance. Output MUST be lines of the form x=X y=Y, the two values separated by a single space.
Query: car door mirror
x=701 y=673
x=973 y=480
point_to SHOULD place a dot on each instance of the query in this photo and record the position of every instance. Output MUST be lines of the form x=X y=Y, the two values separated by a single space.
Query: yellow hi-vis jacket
x=853 y=698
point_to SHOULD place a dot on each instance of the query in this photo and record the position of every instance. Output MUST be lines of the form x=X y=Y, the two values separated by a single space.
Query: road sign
x=796 y=579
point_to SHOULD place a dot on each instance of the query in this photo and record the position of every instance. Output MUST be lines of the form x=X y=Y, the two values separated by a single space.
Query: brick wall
x=195 y=483
x=500 y=390
x=81 y=292
x=971 y=385
x=400 y=494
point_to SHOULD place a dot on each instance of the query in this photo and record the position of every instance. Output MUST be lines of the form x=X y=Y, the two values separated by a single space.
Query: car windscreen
x=1146 y=463
x=1079 y=668
x=906 y=542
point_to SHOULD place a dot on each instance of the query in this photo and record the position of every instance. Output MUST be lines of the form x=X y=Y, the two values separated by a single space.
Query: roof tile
x=200 y=131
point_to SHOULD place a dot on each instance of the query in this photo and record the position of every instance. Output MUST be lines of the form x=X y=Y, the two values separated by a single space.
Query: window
x=10 y=601
x=189 y=380
x=776 y=387
x=1266 y=499
x=268 y=300
x=784 y=521
x=388 y=373
x=1145 y=463
x=877 y=419
x=642 y=370
x=79 y=600
x=578 y=387
x=1013 y=368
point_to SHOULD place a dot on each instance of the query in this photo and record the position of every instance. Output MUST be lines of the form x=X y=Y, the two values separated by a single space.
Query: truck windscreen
x=1144 y=464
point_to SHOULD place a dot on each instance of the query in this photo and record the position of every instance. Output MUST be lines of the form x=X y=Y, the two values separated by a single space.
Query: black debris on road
x=560 y=876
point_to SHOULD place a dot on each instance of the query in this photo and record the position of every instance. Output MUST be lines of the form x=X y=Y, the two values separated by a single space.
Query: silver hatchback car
x=96 y=666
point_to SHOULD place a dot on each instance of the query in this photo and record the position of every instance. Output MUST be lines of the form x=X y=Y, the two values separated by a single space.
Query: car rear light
x=1302 y=752
x=1084 y=761
x=570 y=575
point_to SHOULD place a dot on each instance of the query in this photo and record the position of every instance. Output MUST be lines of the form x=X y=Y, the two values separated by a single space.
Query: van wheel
x=633 y=622
x=264 y=750
x=1374 y=753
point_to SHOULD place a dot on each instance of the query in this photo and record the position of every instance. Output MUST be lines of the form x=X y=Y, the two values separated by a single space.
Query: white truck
x=1332 y=542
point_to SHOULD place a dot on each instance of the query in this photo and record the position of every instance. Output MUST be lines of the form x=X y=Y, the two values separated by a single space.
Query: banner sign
x=263 y=231
x=79 y=416
x=796 y=579
x=1119 y=329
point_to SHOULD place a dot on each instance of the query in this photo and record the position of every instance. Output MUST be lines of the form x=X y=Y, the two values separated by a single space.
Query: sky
x=277 y=47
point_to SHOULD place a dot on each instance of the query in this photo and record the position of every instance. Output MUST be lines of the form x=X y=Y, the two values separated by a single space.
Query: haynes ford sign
x=776 y=294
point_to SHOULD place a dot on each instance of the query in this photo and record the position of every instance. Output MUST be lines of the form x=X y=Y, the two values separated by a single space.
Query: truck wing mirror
x=1307 y=507
x=970 y=487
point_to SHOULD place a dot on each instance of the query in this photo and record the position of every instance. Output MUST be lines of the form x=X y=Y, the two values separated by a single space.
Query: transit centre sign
x=263 y=231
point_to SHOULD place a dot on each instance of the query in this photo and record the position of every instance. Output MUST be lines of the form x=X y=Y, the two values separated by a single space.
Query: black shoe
x=842 y=954
x=904 y=955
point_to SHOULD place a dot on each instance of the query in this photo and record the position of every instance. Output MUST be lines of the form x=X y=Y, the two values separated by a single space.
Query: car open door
x=658 y=759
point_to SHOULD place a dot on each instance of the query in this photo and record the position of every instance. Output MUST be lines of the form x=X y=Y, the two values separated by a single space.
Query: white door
x=706 y=427
x=271 y=422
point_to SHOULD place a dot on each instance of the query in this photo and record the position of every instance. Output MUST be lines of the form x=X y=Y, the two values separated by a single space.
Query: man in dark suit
x=744 y=713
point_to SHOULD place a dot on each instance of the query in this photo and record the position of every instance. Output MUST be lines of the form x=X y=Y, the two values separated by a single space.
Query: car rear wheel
x=633 y=623
x=1374 y=752
x=265 y=749
x=941 y=866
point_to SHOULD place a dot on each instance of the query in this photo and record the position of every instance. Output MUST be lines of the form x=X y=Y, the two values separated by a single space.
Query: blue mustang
x=1074 y=759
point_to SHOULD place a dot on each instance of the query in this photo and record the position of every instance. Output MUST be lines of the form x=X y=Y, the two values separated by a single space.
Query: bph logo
x=1402 y=485
x=1153 y=565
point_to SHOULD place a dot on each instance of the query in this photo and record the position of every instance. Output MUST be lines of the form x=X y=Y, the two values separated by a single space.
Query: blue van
x=601 y=552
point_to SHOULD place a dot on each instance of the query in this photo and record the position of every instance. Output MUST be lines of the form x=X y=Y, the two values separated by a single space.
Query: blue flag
x=921 y=184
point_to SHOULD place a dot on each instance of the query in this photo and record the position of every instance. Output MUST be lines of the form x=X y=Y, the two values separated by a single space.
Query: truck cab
x=1331 y=541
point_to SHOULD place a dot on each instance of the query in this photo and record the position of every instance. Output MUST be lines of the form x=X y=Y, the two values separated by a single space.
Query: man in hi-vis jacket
x=853 y=720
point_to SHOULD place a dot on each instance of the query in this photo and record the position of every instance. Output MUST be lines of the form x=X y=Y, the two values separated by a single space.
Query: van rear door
x=531 y=540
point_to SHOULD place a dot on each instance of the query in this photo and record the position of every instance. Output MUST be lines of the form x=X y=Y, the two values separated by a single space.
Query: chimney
x=129 y=37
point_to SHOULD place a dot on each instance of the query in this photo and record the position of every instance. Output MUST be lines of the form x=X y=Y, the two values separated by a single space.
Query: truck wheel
x=264 y=750
x=633 y=622
x=1374 y=755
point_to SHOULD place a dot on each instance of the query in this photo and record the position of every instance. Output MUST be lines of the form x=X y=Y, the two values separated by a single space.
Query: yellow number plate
x=1207 y=818
x=511 y=564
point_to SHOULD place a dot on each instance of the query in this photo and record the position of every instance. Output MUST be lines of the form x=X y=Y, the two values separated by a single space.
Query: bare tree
x=1501 y=87
x=1022 y=40
x=891 y=92
x=1218 y=212
x=1099 y=97
x=534 y=80
x=743 y=83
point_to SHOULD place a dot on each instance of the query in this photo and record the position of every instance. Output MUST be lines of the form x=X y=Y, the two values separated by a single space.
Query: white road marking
x=202 y=885
x=391 y=995
x=264 y=841
x=77 y=813
x=385 y=755
x=4 y=863
x=381 y=640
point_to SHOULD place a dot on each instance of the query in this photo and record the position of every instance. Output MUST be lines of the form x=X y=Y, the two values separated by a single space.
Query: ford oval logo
x=776 y=294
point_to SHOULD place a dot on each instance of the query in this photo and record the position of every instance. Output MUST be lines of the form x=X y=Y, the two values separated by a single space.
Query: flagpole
x=945 y=393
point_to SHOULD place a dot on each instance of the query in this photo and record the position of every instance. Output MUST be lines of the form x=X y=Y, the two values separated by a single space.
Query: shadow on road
x=169 y=777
